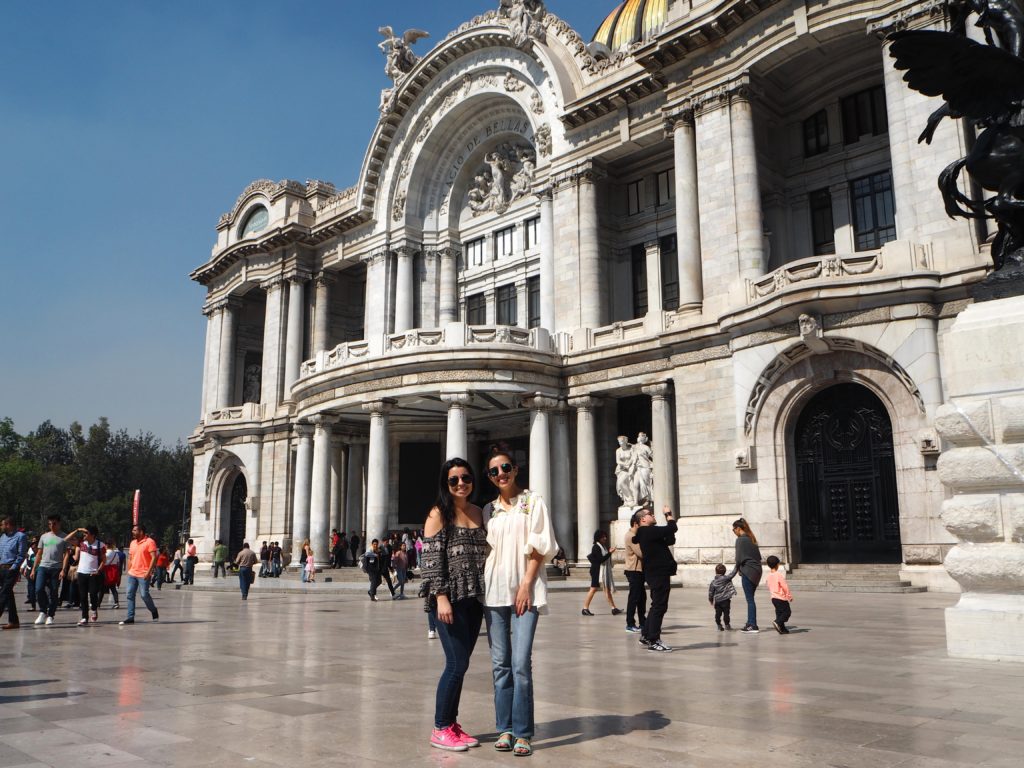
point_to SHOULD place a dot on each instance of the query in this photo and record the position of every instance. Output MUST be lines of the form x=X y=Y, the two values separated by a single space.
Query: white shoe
x=40 y=618
x=82 y=622
x=431 y=635
x=49 y=620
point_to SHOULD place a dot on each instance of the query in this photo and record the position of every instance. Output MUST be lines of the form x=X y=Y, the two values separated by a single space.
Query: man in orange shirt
x=142 y=556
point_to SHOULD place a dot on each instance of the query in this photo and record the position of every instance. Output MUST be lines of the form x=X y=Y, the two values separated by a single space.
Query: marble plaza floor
x=334 y=680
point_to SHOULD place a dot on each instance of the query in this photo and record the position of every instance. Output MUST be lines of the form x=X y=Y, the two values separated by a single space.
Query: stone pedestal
x=982 y=465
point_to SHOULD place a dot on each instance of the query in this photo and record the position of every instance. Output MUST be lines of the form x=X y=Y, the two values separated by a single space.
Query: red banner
x=135 y=508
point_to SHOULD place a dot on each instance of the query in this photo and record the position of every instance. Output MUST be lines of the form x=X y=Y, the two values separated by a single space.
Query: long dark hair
x=744 y=526
x=445 y=503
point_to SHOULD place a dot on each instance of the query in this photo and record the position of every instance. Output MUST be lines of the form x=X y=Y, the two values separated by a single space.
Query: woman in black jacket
x=748 y=563
x=601 y=573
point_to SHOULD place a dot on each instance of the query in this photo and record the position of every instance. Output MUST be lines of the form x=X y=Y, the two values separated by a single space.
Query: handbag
x=252 y=576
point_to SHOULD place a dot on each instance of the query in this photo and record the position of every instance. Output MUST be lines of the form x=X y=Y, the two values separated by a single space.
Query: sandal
x=522 y=748
x=504 y=742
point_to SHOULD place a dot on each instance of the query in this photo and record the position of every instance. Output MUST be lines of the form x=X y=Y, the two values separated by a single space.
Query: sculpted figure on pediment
x=524 y=19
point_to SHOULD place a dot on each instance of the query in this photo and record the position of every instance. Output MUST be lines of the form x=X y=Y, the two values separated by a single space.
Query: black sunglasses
x=504 y=469
x=464 y=479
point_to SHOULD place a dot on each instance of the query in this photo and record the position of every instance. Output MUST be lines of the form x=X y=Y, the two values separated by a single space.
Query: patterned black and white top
x=452 y=563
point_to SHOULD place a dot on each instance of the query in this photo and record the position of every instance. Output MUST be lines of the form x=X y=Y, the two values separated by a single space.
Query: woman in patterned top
x=522 y=540
x=452 y=567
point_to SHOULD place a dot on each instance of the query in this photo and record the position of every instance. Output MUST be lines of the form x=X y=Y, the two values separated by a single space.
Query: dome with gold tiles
x=631 y=21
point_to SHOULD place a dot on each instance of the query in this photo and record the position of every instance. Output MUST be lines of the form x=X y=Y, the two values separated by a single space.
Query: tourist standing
x=275 y=559
x=659 y=567
x=220 y=558
x=50 y=564
x=91 y=556
x=400 y=561
x=310 y=567
x=245 y=560
x=141 y=563
x=371 y=563
x=264 y=560
x=748 y=563
x=113 y=568
x=600 y=558
x=191 y=558
x=452 y=568
x=636 y=602
x=353 y=543
x=302 y=561
x=521 y=538
x=13 y=550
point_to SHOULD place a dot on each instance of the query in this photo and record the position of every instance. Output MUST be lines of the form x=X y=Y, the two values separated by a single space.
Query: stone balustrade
x=244 y=412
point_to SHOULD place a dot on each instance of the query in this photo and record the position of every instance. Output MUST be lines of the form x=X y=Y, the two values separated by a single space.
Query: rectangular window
x=864 y=114
x=816 y=134
x=638 y=258
x=823 y=232
x=475 y=252
x=666 y=186
x=503 y=245
x=530 y=233
x=874 y=212
x=634 y=197
x=476 y=309
x=669 y=274
x=533 y=301
x=505 y=299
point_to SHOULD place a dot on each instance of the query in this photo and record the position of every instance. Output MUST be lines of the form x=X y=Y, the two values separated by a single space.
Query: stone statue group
x=634 y=471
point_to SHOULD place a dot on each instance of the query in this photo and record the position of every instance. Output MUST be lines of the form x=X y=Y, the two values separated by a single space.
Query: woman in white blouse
x=521 y=538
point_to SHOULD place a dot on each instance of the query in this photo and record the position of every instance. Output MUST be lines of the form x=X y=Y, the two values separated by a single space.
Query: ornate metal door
x=236 y=523
x=846 y=479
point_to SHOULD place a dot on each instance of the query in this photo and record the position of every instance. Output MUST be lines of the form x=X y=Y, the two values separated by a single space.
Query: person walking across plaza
x=112 y=569
x=372 y=563
x=522 y=540
x=600 y=558
x=13 y=551
x=452 y=568
x=91 y=556
x=636 y=602
x=26 y=569
x=748 y=563
x=191 y=559
x=245 y=560
x=264 y=560
x=310 y=566
x=659 y=567
x=177 y=567
x=141 y=563
x=781 y=596
x=163 y=561
x=220 y=558
x=50 y=563
x=400 y=562
x=720 y=595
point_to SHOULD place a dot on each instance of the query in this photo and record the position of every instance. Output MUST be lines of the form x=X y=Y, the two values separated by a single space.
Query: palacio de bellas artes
x=710 y=223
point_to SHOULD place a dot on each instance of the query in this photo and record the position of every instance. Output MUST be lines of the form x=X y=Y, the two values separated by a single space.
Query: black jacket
x=596 y=561
x=656 y=546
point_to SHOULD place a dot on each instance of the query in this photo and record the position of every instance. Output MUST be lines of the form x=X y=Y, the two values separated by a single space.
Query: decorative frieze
x=825 y=267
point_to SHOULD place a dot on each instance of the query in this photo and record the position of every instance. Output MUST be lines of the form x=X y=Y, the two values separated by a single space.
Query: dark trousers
x=221 y=567
x=374 y=583
x=783 y=611
x=722 y=612
x=458 y=640
x=749 y=588
x=174 y=571
x=636 y=603
x=659 y=605
x=244 y=580
x=89 y=585
x=8 y=578
x=386 y=575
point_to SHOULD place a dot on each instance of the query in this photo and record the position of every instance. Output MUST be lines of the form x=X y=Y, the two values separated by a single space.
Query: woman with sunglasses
x=522 y=540
x=452 y=568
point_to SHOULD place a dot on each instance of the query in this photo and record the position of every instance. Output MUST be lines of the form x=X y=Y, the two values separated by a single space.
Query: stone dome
x=631 y=21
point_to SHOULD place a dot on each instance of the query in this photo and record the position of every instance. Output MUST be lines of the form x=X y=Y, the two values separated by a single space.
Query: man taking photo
x=659 y=567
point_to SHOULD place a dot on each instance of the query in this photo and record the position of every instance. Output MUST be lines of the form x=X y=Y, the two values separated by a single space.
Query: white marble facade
x=543 y=232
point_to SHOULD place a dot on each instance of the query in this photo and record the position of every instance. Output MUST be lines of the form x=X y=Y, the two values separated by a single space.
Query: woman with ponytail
x=748 y=563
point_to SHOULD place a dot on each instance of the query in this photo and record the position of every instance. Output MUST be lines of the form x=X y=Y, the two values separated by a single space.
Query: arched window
x=255 y=222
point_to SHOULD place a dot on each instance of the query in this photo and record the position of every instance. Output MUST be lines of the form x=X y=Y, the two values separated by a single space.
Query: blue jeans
x=748 y=592
x=244 y=572
x=46 y=589
x=511 y=640
x=139 y=584
x=458 y=640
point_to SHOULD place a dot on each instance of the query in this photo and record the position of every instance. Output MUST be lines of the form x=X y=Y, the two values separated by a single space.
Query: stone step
x=848 y=581
x=888 y=589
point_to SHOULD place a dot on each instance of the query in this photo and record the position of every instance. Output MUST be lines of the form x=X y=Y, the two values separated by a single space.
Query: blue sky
x=127 y=127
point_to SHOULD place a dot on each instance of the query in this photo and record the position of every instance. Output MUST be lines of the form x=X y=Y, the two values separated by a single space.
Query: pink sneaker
x=446 y=738
x=468 y=740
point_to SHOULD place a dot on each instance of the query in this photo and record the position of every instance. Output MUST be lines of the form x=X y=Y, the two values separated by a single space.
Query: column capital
x=303 y=430
x=377 y=257
x=338 y=440
x=585 y=402
x=657 y=391
x=679 y=119
x=587 y=173
x=298 y=276
x=272 y=283
x=406 y=248
x=323 y=421
x=539 y=402
x=545 y=194
x=653 y=245
x=457 y=399
x=379 y=407
x=325 y=278
x=918 y=15
x=739 y=88
x=449 y=251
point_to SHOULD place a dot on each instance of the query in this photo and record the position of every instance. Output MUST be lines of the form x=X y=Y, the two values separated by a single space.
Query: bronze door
x=236 y=523
x=847 y=506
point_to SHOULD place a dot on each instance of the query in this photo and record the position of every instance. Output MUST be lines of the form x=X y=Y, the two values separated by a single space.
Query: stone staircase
x=849 y=578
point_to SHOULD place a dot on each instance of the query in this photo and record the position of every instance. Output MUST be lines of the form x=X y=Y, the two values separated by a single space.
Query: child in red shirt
x=781 y=596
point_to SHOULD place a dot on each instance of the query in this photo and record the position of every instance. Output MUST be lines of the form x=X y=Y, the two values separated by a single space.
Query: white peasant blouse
x=514 y=535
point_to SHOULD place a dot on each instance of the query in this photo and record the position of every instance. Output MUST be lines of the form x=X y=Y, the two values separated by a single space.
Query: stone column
x=749 y=224
x=540 y=447
x=546 y=238
x=449 y=303
x=403 y=290
x=688 y=253
x=590 y=251
x=322 y=313
x=295 y=336
x=320 y=489
x=588 y=516
x=375 y=314
x=664 y=455
x=652 y=251
x=303 y=477
x=377 y=502
x=522 y=304
x=561 y=481
x=842 y=221
x=354 y=485
x=212 y=341
x=226 y=362
x=270 y=382
x=455 y=438
x=338 y=483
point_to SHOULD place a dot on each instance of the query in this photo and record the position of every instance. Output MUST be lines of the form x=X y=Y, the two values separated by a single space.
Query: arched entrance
x=846 y=506
x=236 y=515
